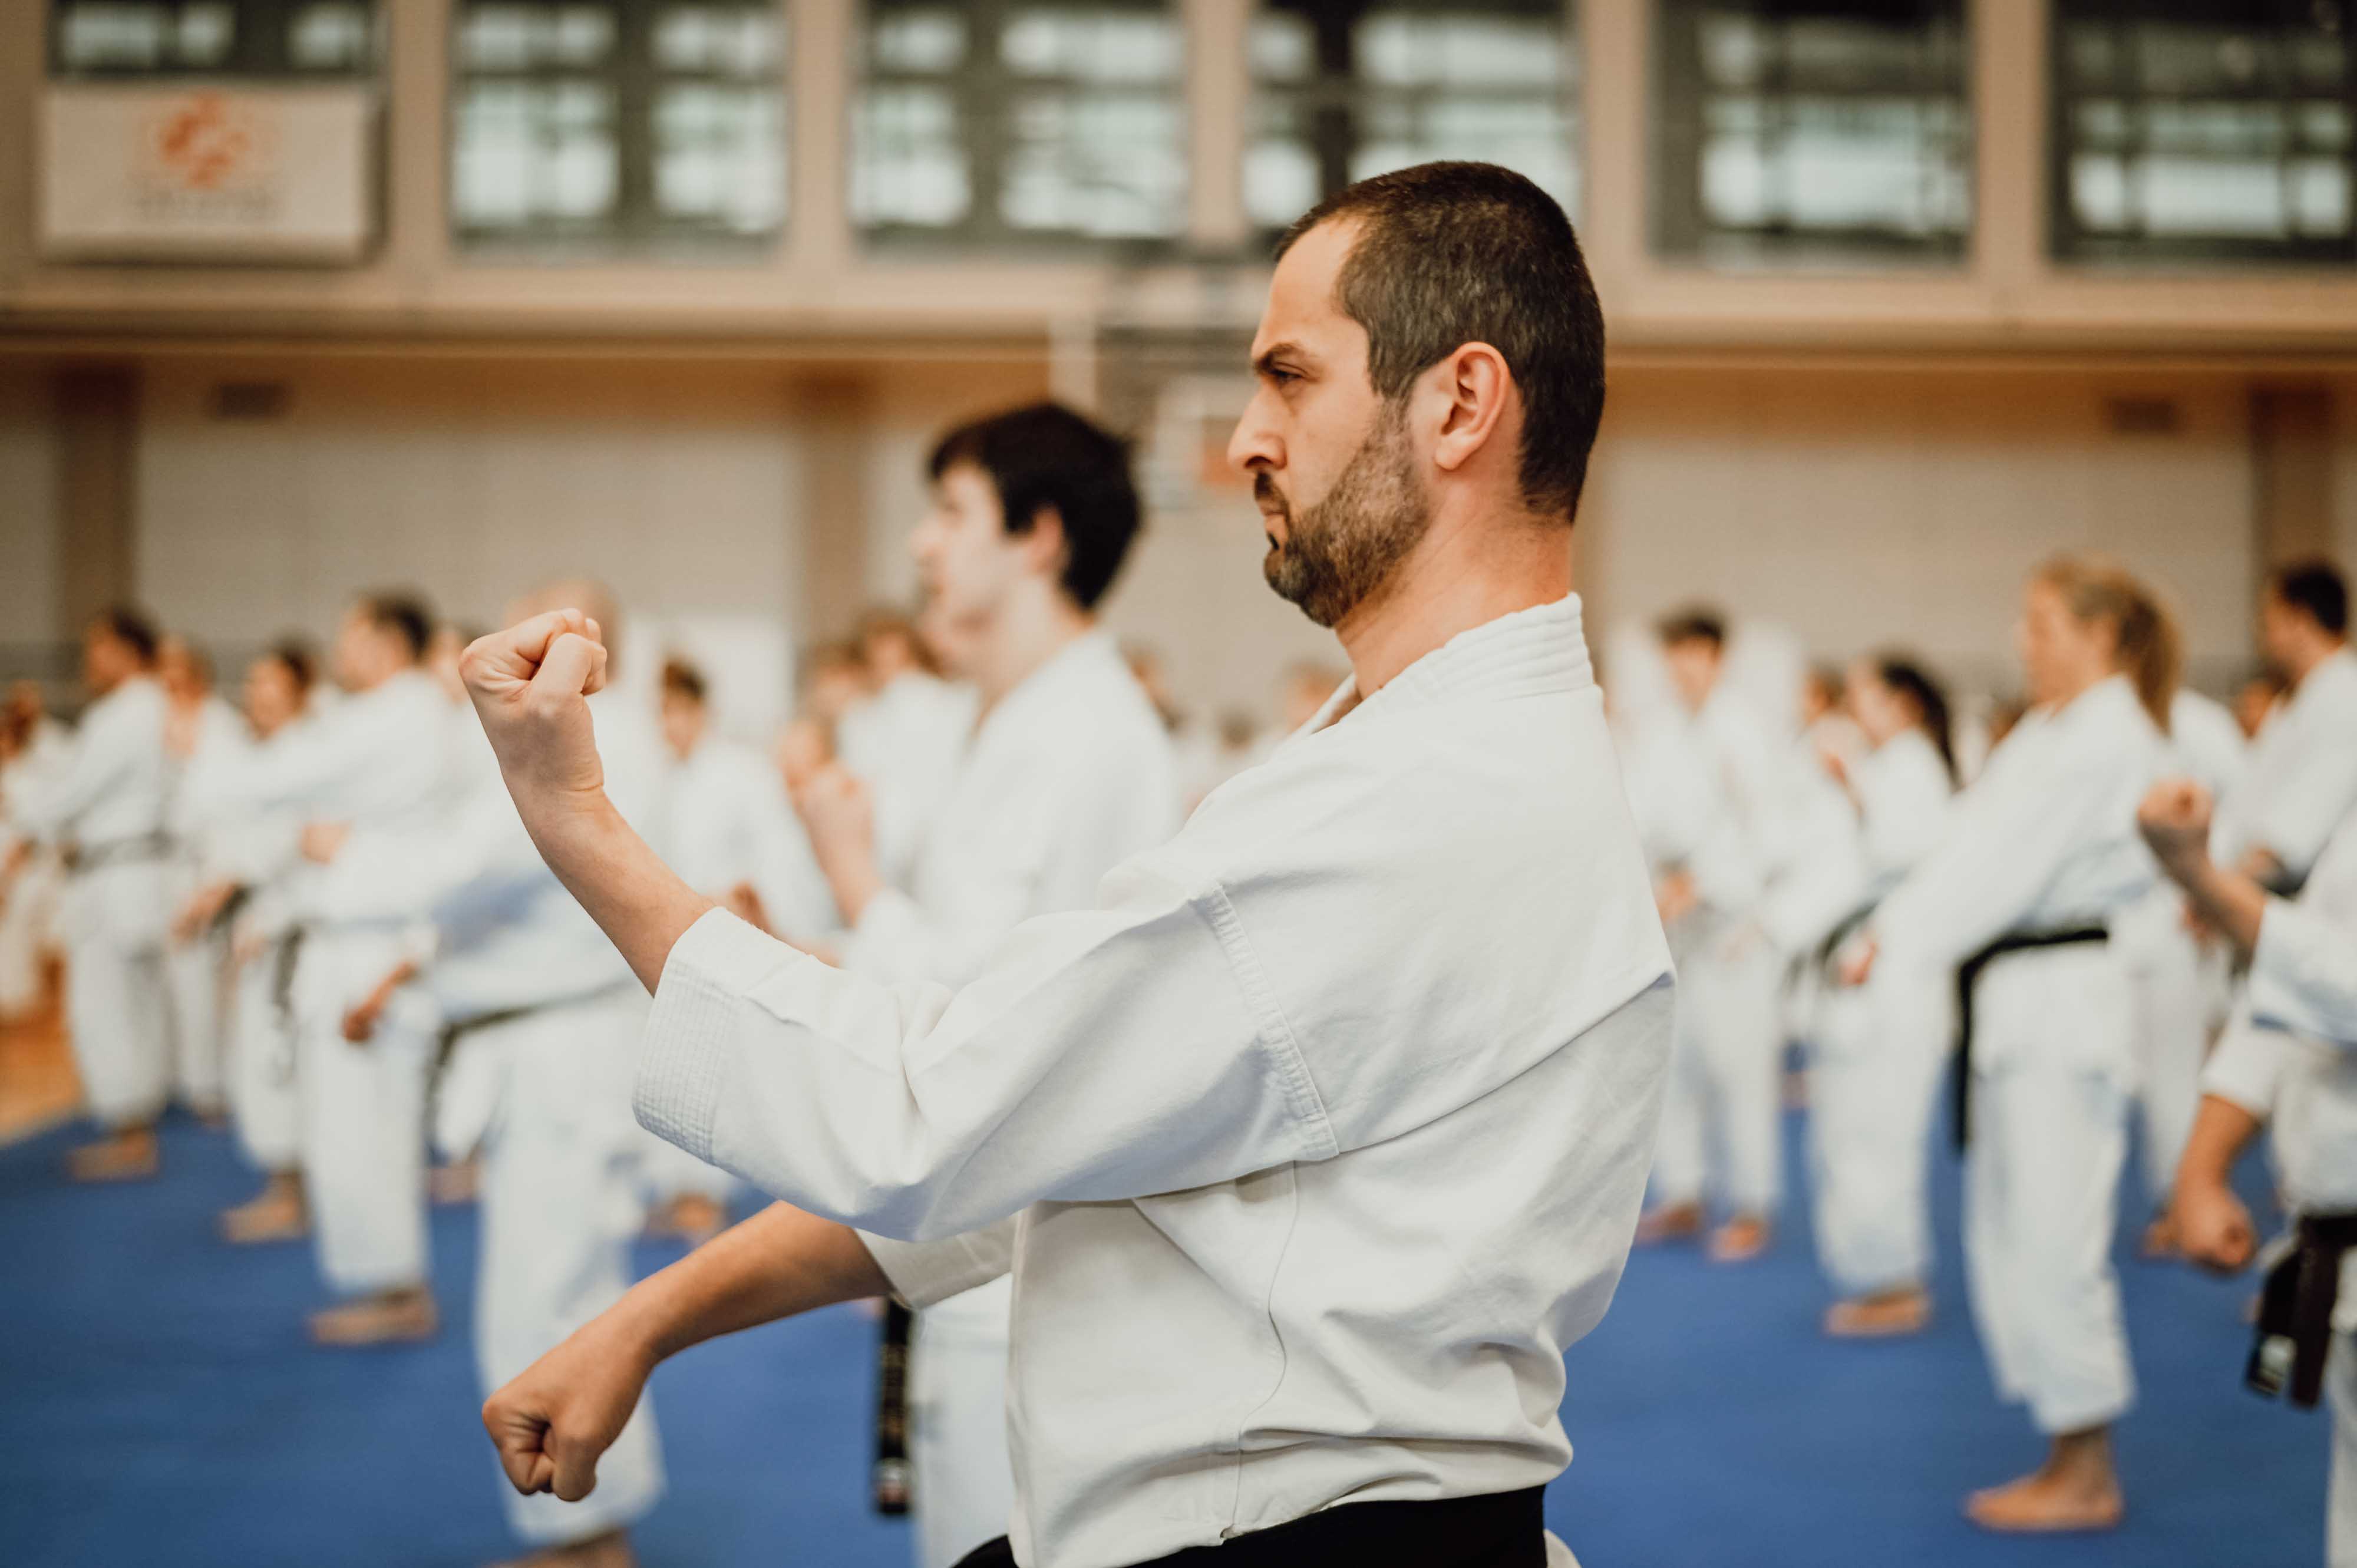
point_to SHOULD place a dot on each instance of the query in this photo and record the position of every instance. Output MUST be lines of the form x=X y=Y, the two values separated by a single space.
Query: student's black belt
x=2294 y=1328
x=81 y=858
x=1504 y=1530
x=1968 y=979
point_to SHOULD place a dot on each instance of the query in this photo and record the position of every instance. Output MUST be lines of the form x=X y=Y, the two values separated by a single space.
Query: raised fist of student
x=840 y=815
x=2213 y=1227
x=322 y=841
x=2175 y=820
x=529 y=685
x=553 y=1423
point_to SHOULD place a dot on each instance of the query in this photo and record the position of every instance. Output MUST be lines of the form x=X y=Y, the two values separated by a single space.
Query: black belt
x=118 y=852
x=2295 y=1329
x=1968 y=979
x=1504 y=1530
x=889 y=1481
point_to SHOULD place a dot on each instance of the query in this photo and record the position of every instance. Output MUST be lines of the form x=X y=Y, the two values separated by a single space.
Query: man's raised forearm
x=2227 y=900
x=779 y=1263
x=637 y=901
x=2222 y=1131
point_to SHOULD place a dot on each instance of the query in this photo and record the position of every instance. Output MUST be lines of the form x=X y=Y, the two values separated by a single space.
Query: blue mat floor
x=158 y=1405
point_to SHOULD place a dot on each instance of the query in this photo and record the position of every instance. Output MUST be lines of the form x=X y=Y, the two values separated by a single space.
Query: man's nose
x=1254 y=445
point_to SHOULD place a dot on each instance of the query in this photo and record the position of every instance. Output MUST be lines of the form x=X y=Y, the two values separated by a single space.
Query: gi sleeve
x=2304 y=975
x=1104 y=1054
x=926 y=1274
x=104 y=754
x=2247 y=1067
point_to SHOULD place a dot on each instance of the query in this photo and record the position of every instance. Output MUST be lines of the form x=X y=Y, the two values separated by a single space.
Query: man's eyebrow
x=1266 y=361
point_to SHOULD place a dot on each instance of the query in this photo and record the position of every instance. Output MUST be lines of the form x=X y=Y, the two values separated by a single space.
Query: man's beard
x=1342 y=549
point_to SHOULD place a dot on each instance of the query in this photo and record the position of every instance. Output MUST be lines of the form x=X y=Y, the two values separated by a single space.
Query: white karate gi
x=2181 y=985
x=2302 y=777
x=2044 y=840
x=722 y=818
x=1762 y=824
x=260 y=851
x=2291 y=1058
x=28 y=901
x=107 y=801
x=381 y=762
x=195 y=970
x=1310 y=1149
x=1067 y=776
x=905 y=742
x=550 y=1017
x=1871 y=1097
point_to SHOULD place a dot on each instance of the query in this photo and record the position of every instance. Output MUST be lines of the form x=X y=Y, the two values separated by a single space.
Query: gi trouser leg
x=961 y=1478
x=560 y=1203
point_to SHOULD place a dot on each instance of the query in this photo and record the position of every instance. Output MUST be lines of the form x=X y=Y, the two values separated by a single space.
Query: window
x=2203 y=131
x=617 y=123
x=1812 y=129
x=302 y=39
x=1348 y=89
x=998 y=122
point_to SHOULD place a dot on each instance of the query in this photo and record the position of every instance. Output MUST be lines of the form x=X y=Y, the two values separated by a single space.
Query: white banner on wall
x=216 y=173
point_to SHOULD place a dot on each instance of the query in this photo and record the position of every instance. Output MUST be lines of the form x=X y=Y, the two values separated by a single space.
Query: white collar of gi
x=1521 y=654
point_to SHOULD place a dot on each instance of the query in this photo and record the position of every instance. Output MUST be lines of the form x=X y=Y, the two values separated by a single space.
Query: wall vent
x=2143 y=416
x=249 y=399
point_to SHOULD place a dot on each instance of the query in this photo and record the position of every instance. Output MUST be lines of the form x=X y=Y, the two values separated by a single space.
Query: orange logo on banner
x=204 y=142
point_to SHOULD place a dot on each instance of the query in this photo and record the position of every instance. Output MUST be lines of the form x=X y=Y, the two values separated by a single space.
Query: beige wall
x=1870 y=507
x=30 y=568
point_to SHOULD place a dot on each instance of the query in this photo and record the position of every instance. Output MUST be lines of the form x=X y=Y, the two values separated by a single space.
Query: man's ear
x=1044 y=547
x=1477 y=387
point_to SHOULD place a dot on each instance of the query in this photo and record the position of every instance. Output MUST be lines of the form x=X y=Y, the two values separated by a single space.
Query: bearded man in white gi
x=2289 y=1057
x=1313 y=1146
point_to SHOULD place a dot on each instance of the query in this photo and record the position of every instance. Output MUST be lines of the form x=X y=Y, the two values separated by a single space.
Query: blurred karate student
x=33 y=747
x=548 y=1010
x=2179 y=976
x=2303 y=767
x=104 y=809
x=2290 y=1057
x=904 y=736
x=1255 y=1098
x=1871 y=1098
x=2018 y=902
x=255 y=857
x=202 y=734
x=722 y=820
x=1719 y=1140
x=1068 y=773
x=379 y=763
x=2254 y=699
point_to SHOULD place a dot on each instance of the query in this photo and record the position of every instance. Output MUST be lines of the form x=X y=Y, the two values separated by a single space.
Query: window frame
x=259 y=48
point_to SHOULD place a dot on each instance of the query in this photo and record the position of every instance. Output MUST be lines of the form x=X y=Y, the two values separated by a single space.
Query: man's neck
x=1455 y=581
x=1023 y=639
x=2313 y=655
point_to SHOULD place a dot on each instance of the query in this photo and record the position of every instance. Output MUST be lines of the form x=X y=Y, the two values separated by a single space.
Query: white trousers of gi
x=2048 y=1119
x=560 y=1204
x=193 y=973
x=28 y=929
x=961 y=1481
x=1875 y=1074
x=113 y=920
x=363 y=1116
x=265 y=1104
x=2340 y=1390
x=1721 y=1105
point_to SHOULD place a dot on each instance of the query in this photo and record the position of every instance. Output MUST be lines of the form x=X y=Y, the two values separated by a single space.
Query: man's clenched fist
x=2175 y=820
x=529 y=685
x=553 y=1423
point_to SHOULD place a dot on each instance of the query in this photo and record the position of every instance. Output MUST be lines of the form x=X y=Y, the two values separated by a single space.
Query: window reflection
x=2217 y=131
x=1013 y=124
x=618 y=123
x=1812 y=129
x=259 y=39
x=1348 y=89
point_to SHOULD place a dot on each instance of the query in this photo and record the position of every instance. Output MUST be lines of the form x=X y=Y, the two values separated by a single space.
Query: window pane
x=1010 y=121
x=236 y=39
x=627 y=122
x=2216 y=131
x=1349 y=91
x=1812 y=131
x=330 y=36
